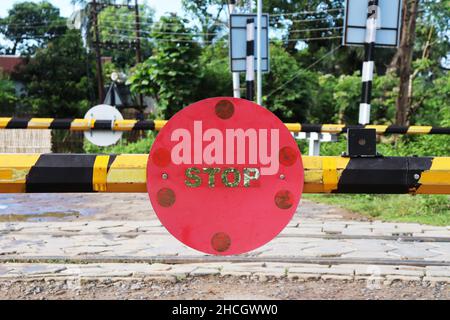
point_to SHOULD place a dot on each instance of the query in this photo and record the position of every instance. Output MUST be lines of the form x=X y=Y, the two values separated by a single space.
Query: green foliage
x=118 y=24
x=56 y=79
x=7 y=96
x=39 y=22
x=206 y=13
x=171 y=74
x=288 y=87
x=142 y=146
x=427 y=209
x=432 y=101
x=215 y=77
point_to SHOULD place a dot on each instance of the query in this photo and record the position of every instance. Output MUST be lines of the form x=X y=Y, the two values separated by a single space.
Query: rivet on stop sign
x=161 y=157
x=166 y=197
x=284 y=199
x=224 y=109
x=288 y=156
x=221 y=242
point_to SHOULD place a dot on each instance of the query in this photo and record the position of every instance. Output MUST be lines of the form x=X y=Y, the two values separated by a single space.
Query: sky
x=161 y=6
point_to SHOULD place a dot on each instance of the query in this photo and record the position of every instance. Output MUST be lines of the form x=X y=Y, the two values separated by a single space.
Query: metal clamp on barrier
x=361 y=143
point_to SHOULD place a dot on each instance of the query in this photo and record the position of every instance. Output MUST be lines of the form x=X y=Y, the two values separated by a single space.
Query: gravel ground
x=220 y=288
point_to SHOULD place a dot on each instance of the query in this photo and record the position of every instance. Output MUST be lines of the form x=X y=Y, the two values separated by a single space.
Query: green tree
x=30 y=25
x=117 y=26
x=207 y=14
x=57 y=79
x=214 y=70
x=7 y=96
x=171 y=75
x=288 y=88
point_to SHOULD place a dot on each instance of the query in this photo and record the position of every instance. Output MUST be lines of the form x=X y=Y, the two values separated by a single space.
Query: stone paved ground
x=118 y=238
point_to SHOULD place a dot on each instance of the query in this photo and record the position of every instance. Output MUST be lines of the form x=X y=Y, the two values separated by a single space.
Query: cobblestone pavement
x=321 y=242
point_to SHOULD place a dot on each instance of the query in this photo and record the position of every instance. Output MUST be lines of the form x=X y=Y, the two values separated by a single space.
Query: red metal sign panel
x=224 y=176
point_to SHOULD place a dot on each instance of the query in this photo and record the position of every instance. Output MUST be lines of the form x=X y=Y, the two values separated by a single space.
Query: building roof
x=8 y=63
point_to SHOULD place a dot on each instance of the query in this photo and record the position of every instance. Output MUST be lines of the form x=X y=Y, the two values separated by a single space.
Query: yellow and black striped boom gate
x=149 y=125
x=262 y=172
x=58 y=173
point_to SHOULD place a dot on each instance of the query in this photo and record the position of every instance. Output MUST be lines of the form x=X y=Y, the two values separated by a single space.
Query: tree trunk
x=404 y=59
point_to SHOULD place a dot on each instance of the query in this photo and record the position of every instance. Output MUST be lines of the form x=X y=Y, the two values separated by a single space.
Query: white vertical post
x=314 y=144
x=236 y=85
x=258 y=53
x=236 y=78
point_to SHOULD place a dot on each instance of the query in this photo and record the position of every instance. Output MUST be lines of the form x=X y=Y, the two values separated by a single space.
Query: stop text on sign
x=230 y=177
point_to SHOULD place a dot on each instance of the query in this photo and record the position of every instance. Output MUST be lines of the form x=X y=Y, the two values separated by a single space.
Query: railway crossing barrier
x=224 y=175
x=59 y=173
x=150 y=125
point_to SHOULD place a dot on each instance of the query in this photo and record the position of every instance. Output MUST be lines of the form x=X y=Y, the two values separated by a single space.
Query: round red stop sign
x=224 y=176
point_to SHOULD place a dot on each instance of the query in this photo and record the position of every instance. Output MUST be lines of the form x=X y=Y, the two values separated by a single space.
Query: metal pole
x=101 y=89
x=236 y=78
x=138 y=32
x=250 y=67
x=138 y=45
x=368 y=64
x=258 y=54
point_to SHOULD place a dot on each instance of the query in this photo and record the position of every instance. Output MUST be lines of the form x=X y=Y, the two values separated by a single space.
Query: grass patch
x=426 y=209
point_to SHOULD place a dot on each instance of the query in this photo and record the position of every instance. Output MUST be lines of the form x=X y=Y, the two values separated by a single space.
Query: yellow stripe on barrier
x=293 y=127
x=40 y=123
x=378 y=128
x=437 y=179
x=332 y=128
x=14 y=169
x=159 y=124
x=82 y=124
x=128 y=174
x=4 y=122
x=124 y=125
x=322 y=174
x=100 y=172
x=419 y=129
x=330 y=177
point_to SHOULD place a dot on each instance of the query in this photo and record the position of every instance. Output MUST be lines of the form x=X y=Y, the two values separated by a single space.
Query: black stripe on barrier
x=111 y=159
x=18 y=123
x=61 y=173
x=397 y=175
x=435 y=130
x=352 y=126
x=396 y=129
x=144 y=125
x=102 y=125
x=305 y=127
x=61 y=124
